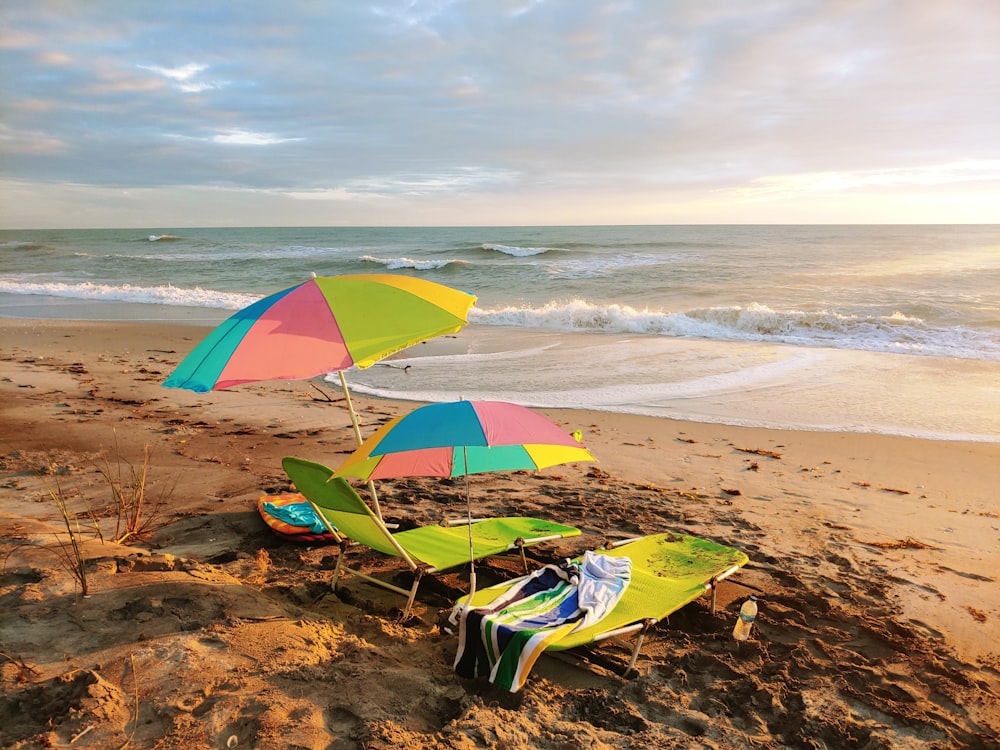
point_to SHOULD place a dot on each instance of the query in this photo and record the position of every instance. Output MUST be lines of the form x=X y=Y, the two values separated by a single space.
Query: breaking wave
x=519 y=252
x=895 y=333
x=394 y=264
x=151 y=295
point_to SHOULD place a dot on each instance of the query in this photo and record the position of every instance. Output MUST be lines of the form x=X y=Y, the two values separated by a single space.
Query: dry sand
x=875 y=560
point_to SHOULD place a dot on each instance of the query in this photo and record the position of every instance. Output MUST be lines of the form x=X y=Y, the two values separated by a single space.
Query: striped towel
x=503 y=640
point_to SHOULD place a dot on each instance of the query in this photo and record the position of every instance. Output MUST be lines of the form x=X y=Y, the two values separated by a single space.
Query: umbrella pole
x=357 y=435
x=468 y=506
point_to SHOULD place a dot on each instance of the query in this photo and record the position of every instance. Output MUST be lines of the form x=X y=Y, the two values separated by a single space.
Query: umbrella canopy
x=460 y=438
x=323 y=325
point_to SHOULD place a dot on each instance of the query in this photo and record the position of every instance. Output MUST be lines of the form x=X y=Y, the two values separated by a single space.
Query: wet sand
x=875 y=560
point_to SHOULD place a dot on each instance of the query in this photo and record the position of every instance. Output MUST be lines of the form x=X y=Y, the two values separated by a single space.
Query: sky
x=140 y=113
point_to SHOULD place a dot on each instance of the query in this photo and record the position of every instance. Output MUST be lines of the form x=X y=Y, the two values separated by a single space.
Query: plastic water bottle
x=748 y=613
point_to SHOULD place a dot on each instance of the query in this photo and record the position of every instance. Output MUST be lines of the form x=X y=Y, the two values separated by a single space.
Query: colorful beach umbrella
x=326 y=324
x=323 y=325
x=460 y=438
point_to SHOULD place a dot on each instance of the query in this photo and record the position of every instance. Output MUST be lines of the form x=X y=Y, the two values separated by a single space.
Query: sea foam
x=394 y=264
x=520 y=252
x=155 y=295
x=896 y=333
x=291 y=252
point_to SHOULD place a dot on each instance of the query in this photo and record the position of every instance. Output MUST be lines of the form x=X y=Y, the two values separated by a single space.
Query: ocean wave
x=518 y=252
x=895 y=333
x=155 y=295
x=420 y=265
x=161 y=237
x=250 y=254
x=22 y=245
x=593 y=267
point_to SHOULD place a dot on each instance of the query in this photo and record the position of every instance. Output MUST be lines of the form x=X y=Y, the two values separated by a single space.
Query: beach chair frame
x=334 y=499
x=619 y=635
x=418 y=570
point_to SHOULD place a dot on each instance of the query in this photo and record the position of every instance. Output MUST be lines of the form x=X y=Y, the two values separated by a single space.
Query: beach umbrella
x=459 y=438
x=323 y=325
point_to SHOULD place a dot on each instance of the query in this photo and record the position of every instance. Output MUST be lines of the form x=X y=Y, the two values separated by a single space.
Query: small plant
x=69 y=552
x=128 y=485
x=133 y=512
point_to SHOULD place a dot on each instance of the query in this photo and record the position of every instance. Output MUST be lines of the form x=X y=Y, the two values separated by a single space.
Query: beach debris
x=754 y=466
x=976 y=613
x=838 y=526
x=892 y=489
x=326 y=396
x=908 y=543
x=394 y=366
x=80 y=734
x=22 y=667
x=696 y=496
x=731 y=491
x=759 y=452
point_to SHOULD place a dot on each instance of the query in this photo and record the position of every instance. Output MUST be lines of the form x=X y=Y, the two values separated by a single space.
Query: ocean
x=886 y=329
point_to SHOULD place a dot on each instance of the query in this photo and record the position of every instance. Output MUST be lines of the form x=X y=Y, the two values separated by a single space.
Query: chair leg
x=417 y=575
x=638 y=646
x=336 y=570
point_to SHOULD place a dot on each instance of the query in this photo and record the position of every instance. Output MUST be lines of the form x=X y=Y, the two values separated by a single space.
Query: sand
x=875 y=560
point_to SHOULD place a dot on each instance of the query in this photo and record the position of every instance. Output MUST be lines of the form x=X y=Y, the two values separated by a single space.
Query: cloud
x=181 y=73
x=30 y=143
x=184 y=77
x=246 y=138
x=458 y=101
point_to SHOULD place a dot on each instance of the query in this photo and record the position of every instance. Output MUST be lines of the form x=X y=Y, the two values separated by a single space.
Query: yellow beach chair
x=665 y=572
x=427 y=549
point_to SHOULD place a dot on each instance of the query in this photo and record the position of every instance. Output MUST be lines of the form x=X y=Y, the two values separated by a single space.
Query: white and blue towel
x=503 y=640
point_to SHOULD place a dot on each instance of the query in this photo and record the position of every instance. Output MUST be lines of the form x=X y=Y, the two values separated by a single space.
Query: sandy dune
x=875 y=560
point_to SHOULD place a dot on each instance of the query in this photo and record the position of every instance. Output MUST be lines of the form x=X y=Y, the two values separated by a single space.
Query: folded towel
x=297 y=514
x=503 y=640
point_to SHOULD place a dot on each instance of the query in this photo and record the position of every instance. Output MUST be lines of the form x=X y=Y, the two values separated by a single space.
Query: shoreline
x=721 y=382
x=852 y=534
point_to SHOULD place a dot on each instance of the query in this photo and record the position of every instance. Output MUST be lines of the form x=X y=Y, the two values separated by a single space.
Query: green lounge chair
x=427 y=549
x=667 y=571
